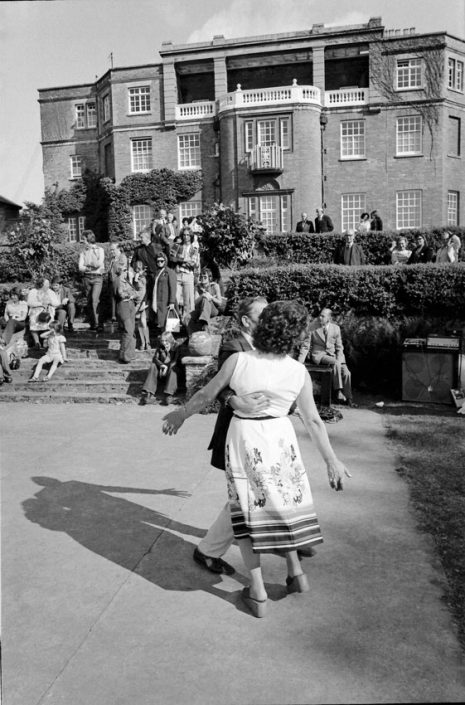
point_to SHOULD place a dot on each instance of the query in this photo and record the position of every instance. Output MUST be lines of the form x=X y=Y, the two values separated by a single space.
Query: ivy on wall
x=383 y=65
x=108 y=208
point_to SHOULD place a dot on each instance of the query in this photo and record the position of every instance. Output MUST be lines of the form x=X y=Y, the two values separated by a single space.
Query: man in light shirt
x=91 y=266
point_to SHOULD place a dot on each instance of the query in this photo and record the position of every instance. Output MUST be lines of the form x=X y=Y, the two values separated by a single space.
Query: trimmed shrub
x=388 y=291
x=320 y=248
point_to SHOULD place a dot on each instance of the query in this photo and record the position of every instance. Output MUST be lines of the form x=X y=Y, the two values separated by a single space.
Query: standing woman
x=269 y=494
x=365 y=223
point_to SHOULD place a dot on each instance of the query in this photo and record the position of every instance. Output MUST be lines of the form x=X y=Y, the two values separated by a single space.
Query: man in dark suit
x=323 y=223
x=147 y=254
x=304 y=225
x=324 y=344
x=349 y=253
x=161 y=232
x=220 y=535
x=376 y=222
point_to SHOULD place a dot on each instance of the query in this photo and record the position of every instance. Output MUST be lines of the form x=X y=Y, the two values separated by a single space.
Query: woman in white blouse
x=41 y=300
x=14 y=316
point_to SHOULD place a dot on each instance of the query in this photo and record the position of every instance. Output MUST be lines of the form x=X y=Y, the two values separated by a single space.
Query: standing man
x=164 y=291
x=304 y=225
x=67 y=307
x=147 y=254
x=161 y=233
x=349 y=253
x=220 y=535
x=126 y=312
x=376 y=222
x=118 y=264
x=325 y=347
x=91 y=266
x=323 y=223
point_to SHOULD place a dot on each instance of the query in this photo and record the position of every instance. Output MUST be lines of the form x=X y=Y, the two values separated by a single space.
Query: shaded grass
x=431 y=451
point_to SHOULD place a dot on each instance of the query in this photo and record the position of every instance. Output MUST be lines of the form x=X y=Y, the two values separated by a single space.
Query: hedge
x=388 y=291
x=319 y=249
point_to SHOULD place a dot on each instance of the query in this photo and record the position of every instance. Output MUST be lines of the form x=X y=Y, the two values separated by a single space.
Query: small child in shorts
x=56 y=352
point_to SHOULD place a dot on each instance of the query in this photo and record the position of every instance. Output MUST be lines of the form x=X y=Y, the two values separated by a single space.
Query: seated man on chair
x=324 y=344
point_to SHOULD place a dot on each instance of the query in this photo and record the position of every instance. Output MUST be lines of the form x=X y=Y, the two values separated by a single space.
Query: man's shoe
x=351 y=404
x=8 y=379
x=214 y=565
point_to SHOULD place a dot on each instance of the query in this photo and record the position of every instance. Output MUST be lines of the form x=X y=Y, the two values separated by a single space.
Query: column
x=170 y=92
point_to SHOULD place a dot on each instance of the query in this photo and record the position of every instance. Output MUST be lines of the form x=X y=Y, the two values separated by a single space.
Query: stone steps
x=92 y=374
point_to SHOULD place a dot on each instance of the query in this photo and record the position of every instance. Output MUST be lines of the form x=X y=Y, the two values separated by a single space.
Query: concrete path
x=103 y=604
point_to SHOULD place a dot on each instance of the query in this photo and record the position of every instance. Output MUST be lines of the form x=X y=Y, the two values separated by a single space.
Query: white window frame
x=352 y=206
x=189 y=155
x=453 y=202
x=75 y=164
x=139 y=102
x=409 y=135
x=262 y=204
x=141 y=154
x=353 y=139
x=189 y=209
x=253 y=133
x=91 y=114
x=76 y=226
x=455 y=74
x=409 y=209
x=80 y=114
x=106 y=107
x=409 y=74
x=142 y=216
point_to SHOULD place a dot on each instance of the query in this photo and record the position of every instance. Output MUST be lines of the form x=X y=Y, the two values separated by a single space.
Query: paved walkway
x=103 y=604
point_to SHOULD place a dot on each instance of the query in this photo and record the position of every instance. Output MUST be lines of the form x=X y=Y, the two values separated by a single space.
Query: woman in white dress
x=269 y=493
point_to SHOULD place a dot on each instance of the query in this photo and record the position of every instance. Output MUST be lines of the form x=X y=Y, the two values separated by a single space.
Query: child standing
x=56 y=352
x=139 y=283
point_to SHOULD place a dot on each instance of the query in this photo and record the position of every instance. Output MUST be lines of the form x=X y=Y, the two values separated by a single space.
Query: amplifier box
x=443 y=342
x=429 y=376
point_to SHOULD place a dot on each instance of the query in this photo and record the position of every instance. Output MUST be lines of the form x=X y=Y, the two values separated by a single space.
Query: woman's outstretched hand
x=173 y=421
x=336 y=472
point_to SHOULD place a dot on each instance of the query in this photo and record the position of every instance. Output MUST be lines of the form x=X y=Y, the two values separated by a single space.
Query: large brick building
x=354 y=117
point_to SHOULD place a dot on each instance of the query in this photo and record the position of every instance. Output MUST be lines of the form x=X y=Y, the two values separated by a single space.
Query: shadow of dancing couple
x=143 y=541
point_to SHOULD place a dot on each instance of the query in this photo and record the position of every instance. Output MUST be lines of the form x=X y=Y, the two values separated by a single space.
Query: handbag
x=173 y=322
x=15 y=362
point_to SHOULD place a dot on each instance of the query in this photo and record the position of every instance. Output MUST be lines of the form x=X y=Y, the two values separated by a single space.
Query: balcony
x=196 y=111
x=346 y=96
x=266 y=159
x=261 y=97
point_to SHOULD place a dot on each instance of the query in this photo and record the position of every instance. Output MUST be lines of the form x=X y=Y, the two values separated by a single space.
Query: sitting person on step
x=324 y=345
x=67 y=307
x=208 y=304
x=56 y=352
x=162 y=371
x=15 y=315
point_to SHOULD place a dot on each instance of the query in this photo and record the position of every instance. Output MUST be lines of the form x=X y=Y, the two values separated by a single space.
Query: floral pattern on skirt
x=268 y=489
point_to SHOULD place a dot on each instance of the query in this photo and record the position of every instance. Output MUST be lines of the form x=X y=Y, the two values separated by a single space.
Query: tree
x=34 y=240
x=228 y=237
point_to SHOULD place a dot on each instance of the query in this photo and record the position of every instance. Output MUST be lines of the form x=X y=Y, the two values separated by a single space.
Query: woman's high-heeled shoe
x=298 y=583
x=257 y=607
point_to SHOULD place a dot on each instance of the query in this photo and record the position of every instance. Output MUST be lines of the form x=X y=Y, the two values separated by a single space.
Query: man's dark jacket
x=225 y=414
x=325 y=225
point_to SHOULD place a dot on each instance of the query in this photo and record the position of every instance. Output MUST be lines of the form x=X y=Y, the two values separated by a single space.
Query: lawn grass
x=431 y=452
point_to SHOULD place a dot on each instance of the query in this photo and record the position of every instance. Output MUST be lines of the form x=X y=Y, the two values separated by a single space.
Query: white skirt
x=269 y=493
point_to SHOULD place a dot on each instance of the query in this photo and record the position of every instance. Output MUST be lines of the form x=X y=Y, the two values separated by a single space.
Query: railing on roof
x=346 y=96
x=196 y=111
x=270 y=96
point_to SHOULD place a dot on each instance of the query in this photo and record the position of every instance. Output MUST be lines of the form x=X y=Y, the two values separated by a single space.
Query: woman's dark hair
x=186 y=231
x=280 y=327
x=206 y=272
x=364 y=215
x=39 y=282
x=16 y=291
